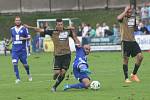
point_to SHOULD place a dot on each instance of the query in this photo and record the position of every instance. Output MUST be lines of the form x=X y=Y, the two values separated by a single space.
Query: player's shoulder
x=23 y=27
x=13 y=27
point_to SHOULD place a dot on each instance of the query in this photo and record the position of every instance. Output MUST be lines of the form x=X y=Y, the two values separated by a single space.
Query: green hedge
x=88 y=16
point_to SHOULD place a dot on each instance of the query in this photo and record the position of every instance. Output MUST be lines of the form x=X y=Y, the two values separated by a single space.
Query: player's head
x=59 y=24
x=17 y=21
x=87 y=48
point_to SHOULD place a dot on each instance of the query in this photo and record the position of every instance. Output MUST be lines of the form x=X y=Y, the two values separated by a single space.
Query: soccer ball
x=95 y=85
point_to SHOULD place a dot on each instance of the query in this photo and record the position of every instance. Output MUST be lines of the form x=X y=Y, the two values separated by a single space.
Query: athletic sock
x=125 y=70
x=58 y=80
x=16 y=71
x=135 y=69
x=77 y=86
x=27 y=69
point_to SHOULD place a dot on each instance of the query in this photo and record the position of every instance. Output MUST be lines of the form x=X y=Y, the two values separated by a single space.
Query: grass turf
x=106 y=67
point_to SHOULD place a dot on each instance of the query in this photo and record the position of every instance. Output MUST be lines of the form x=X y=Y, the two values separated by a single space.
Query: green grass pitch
x=106 y=68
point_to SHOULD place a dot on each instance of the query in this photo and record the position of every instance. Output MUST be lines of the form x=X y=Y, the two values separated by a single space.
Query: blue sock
x=77 y=86
x=27 y=69
x=16 y=71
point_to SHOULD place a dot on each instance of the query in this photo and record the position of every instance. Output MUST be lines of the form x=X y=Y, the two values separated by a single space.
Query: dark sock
x=58 y=81
x=125 y=70
x=16 y=71
x=135 y=69
x=27 y=69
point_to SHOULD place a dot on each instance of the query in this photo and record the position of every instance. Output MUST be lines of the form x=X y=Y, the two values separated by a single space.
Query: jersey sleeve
x=48 y=32
x=77 y=47
x=26 y=32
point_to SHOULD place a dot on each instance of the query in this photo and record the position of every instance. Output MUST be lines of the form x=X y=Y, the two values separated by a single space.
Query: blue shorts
x=79 y=75
x=21 y=55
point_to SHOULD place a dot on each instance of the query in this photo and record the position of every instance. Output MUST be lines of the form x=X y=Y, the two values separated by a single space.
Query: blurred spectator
x=6 y=47
x=85 y=29
x=98 y=30
x=149 y=12
x=79 y=31
x=91 y=32
x=115 y=30
x=144 y=13
x=142 y=28
x=148 y=27
x=85 y=38
x=105 y=29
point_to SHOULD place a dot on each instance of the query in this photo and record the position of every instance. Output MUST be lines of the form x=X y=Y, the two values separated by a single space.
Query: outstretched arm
x=74 y=36
x=35 y=28
x=123 y=14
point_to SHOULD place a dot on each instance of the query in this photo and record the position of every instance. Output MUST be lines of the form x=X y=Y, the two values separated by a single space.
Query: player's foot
x=135 y=78
x=53 y=89
x=17 y=81
x=30 y=78
x=127 y=81
x=66 y=87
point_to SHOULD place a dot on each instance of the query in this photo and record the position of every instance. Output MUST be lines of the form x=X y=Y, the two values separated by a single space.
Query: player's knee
x=25 y=65
x=87 y=84
x=63 y=72
x=140 y=57
x=55 y=76
x=125 y=60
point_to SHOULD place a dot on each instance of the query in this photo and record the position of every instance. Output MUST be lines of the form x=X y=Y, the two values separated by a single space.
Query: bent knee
x=87 y=84
x=140 y=57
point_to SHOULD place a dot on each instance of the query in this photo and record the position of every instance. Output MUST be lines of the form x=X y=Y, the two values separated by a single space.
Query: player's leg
x=126 y=54
x=63 y=63
x=59 y=79
x=81 y=76
x=84 y=83
x=138 y=59
x=23 y=59
x=15 y=65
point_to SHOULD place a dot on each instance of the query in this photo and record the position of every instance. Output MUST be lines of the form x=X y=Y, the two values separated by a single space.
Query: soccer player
x=19 y=36
x=62 y=53
x=129 y=46
x=80 y=68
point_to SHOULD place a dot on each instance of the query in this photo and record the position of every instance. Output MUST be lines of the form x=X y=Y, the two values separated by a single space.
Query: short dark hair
x=59 y=20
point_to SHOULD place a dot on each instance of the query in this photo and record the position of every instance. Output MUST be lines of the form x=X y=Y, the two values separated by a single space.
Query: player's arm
x=27 y=36
x=24 y=38
x=123 y=14
x=42 y=31
x=74 y=36
x=35 y=28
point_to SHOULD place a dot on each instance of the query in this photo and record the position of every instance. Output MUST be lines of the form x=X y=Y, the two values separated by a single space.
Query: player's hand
x=127 y=8
x=23 y=38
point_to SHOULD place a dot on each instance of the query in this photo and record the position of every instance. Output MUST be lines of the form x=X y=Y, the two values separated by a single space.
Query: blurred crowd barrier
x=20 y=6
